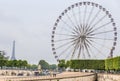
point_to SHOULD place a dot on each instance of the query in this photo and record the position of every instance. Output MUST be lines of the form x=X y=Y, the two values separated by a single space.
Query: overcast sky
x=30 y=22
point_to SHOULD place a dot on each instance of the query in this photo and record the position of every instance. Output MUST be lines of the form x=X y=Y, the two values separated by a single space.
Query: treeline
x=107 y=64
x=23 y=64
x=45 y=65
x=13 y=63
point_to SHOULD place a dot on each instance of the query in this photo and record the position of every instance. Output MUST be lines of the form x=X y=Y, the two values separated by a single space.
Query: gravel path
x=58 y=76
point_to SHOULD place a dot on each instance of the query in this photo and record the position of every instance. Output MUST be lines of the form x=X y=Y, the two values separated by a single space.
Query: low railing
x=87 y=77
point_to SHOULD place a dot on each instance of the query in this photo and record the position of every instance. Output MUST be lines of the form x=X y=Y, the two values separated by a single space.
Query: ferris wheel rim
x=82 y=37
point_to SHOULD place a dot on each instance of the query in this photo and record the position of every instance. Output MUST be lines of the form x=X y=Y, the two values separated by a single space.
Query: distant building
x=13 y=51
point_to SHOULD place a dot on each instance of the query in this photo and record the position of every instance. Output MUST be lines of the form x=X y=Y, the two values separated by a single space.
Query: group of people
x=53 y=74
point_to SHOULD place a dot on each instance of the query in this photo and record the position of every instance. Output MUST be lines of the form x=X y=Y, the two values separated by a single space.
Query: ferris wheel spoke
x=66 y=44
x=101 y=32
x=88 y=29
x=100 y=38
x=67 y=30
x=90 y=15
x=83 y=52
x=72 y=29
x=79 y=15
x=75 y=18
x=93 y=30
x=69 y=25
x=65 y=50
x=98 y=50
x=92 y=53
x=76 y=30
x=70 y=20
x=74 y=50
x=64 y=34
x=79 y=29
x=82 y=30
x=94 y=18
x=79 y=53
x=88 y=41
x=99 y=21
x=63 y=45
x=87 y=47
x=101 y=45
x=84 y=18
x=68 y=55
x=79 y=45
x=63 y=40
x=102 y=26
x=71 y=55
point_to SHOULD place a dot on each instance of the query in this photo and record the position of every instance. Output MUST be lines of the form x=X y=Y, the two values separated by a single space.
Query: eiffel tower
x=13 y=51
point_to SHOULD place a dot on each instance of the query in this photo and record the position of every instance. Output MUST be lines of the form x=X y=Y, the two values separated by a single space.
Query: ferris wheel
x=84 y=30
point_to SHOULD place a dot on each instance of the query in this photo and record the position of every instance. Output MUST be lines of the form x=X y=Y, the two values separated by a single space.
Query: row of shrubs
x=87 y=64
x=107 y=64
x=112 y=63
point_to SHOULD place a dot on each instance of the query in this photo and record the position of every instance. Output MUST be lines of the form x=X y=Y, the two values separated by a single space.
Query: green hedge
x=107 y=64
x=112 y=63
x=87 y=64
